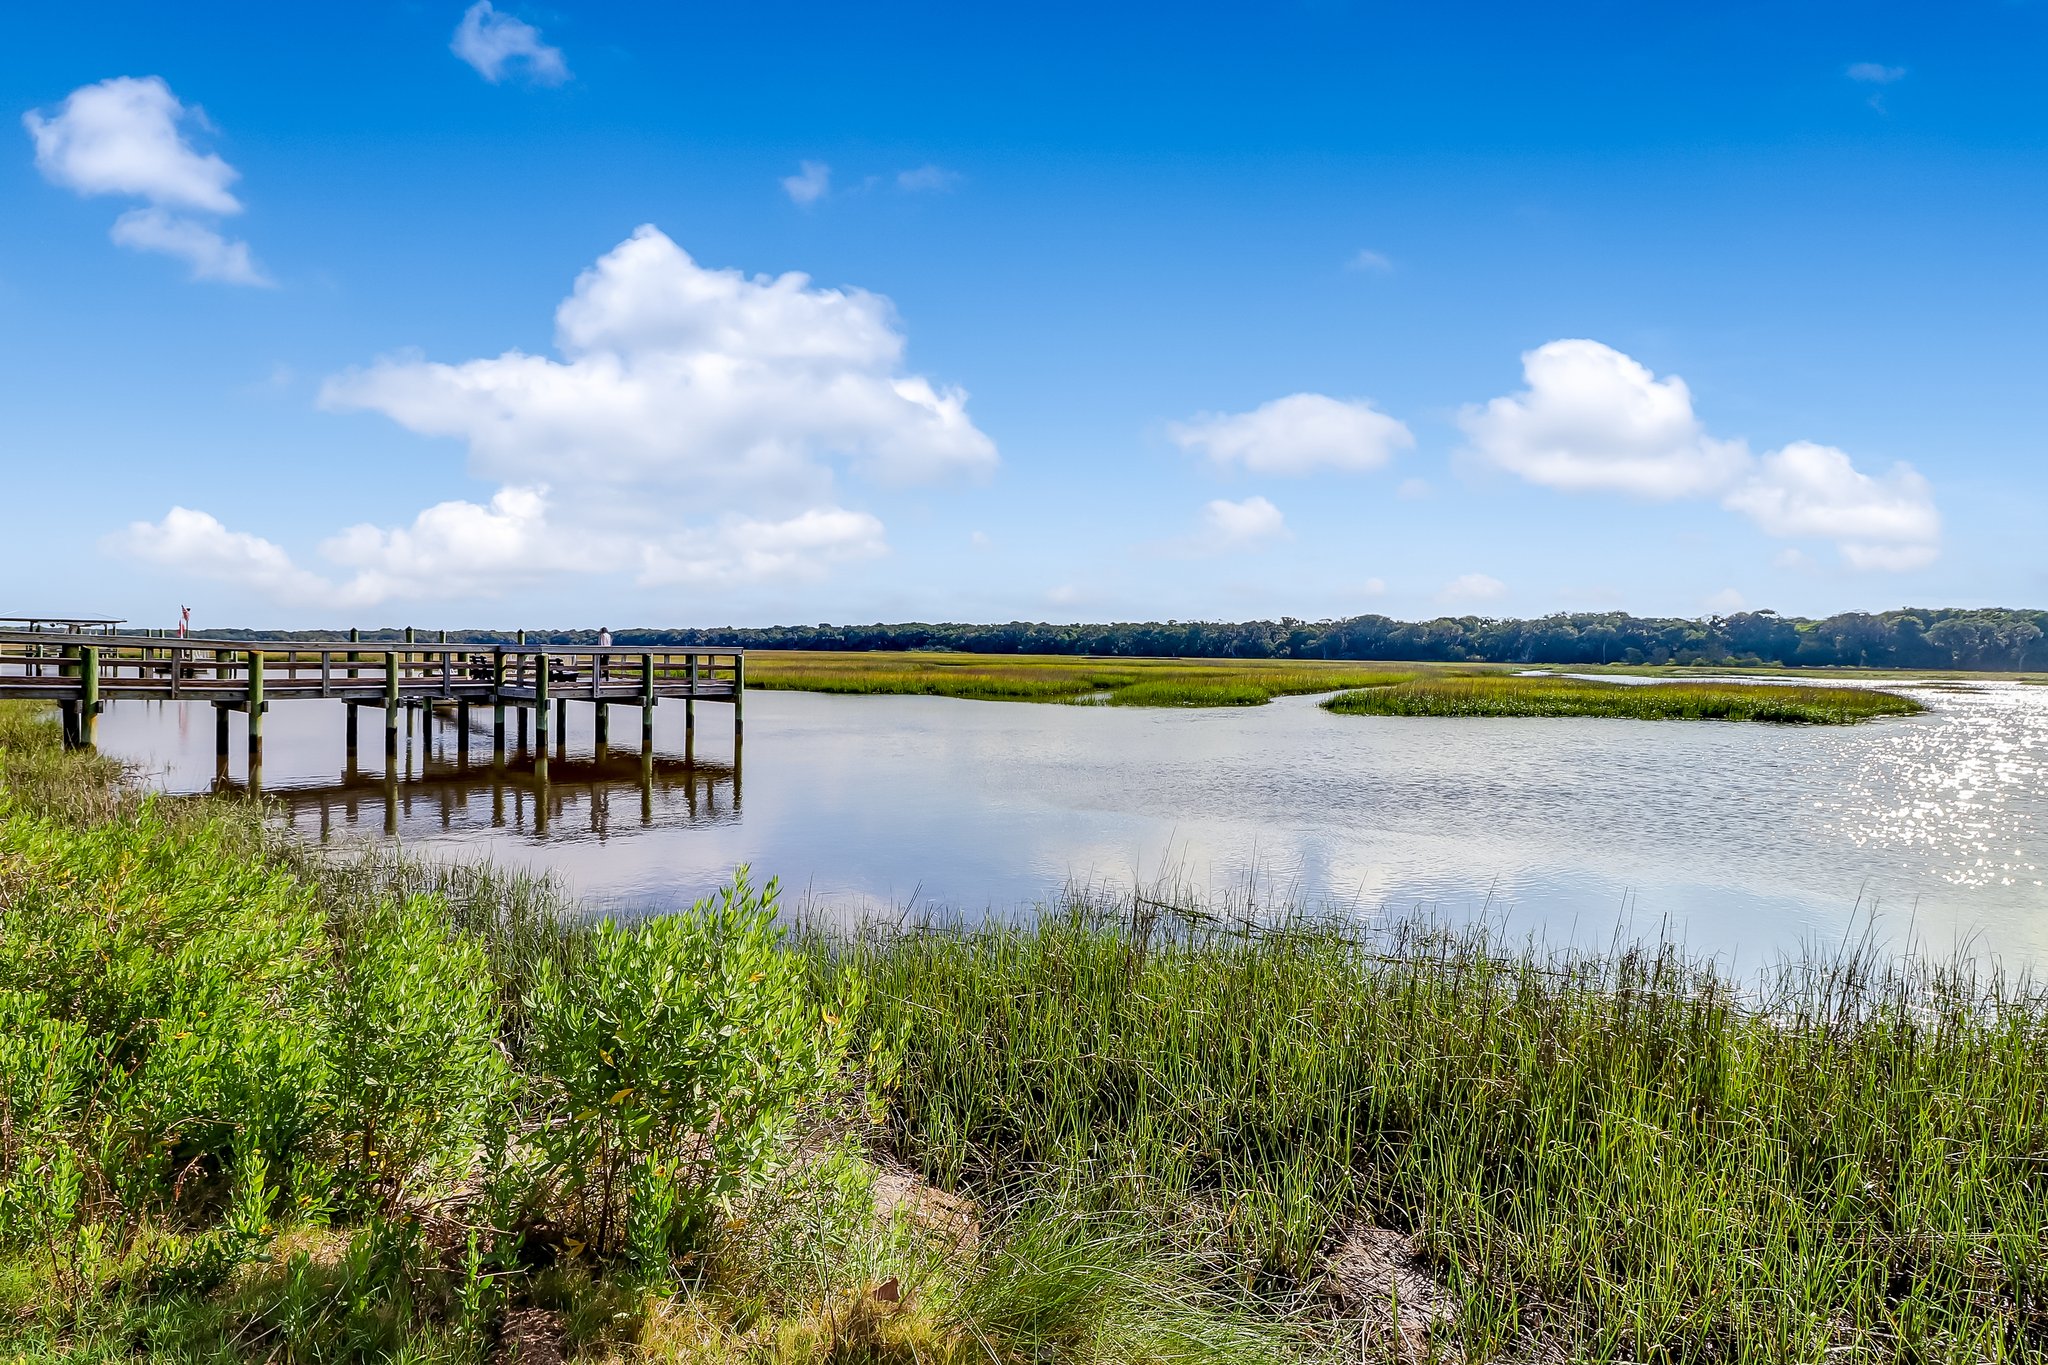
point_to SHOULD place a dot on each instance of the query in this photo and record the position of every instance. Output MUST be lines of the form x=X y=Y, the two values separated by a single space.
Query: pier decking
x=83 y=671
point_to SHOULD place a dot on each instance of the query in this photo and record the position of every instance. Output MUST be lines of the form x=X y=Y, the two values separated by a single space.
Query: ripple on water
x=1737 y=837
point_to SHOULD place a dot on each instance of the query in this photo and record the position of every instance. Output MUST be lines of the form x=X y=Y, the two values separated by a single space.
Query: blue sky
x=462 y=315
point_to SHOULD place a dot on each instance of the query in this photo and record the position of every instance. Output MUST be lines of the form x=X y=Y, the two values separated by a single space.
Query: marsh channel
x=1739 y=840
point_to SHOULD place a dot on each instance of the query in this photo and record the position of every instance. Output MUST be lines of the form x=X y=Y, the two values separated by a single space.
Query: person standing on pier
x=604 y=641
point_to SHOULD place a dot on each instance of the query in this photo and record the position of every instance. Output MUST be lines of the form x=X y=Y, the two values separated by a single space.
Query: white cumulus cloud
x=211 y=256
x=1298 y=434
x=1472 y=588
x=1245 y=525
x=495 y=43
x=812 y=182
x=1875 y=73
x=126 y=136
x=707 y=383
x=1592 y=419
x=742 y=549
x=693 y=432
x=1809 y=490
x=460 y=549
x=197 y=545
x=123 y=136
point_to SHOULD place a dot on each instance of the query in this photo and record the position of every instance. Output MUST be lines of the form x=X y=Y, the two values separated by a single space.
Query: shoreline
x=1097 y=1136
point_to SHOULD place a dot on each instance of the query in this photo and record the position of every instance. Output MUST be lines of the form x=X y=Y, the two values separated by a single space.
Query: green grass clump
x=979 y=685
x=1243 y=688
x=1619 y=1158
x=1057 y=678
x=1496 y=695
x=1191 y=692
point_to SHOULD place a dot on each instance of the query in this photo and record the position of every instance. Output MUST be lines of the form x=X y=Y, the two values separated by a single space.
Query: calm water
x=1742 y=839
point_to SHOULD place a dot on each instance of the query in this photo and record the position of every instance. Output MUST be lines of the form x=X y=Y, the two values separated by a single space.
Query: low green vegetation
x=258 y=1102
x=1500 y=695
x=1052 y=678
x=1618 y=1158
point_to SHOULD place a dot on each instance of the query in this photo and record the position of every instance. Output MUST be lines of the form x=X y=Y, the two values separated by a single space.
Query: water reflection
x=614 y=796
x=447 y=778
x=1741 y=839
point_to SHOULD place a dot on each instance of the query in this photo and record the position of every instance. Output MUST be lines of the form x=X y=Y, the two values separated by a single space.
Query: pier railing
x=83 y=672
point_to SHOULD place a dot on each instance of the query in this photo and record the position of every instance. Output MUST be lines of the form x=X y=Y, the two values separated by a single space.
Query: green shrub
x=671 y=1056
x=413 y=1045
x=162 y=1001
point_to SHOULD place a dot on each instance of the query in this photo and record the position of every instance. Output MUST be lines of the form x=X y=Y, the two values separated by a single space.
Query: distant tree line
x=1989 y=639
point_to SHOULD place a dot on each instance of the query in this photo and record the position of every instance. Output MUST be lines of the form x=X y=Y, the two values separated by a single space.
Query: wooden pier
x=83 y=671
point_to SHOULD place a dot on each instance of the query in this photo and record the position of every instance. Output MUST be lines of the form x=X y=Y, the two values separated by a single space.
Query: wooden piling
x=351 y=738
x=390 y=703
x=602 y=724
x=739 y=700
x=646 y=703
x=498 y=704
x=255 y=704
x=68 y=708
x=89 y=706
x=540 y=717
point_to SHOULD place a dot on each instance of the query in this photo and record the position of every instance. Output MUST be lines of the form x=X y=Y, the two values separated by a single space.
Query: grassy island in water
x=1509 y=695
x=1369 y=689
x=1059 y=678
x=262 y=1101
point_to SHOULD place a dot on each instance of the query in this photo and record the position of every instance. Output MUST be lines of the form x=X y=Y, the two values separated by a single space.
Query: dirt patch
x=532 y=1336
x=1376 y=1280
x=950 y=1218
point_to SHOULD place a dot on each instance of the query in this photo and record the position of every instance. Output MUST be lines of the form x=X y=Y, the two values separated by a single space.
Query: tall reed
x=1619 y=1157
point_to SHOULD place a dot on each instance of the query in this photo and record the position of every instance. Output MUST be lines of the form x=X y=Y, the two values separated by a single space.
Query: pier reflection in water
x=598 y=797
x=444 y=780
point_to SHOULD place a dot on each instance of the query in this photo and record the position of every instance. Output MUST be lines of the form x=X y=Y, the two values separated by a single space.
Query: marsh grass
x=1617 y=1157
x=1050 y=678
x=1497 y=695
x=72 y=786
x=260 y=1102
